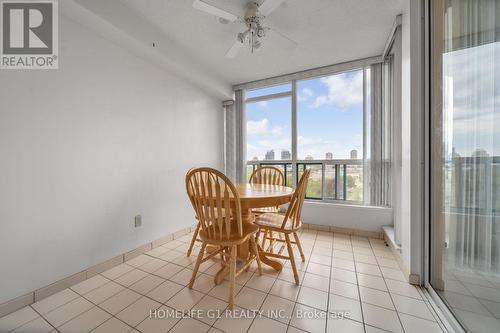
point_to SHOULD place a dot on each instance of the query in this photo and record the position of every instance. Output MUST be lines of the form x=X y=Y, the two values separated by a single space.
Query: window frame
x=295 y=163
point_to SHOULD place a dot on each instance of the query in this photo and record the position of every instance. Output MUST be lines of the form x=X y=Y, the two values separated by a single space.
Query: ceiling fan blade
x=234 y=50
x=210 y=9
x=268 y=6
x=284 y=37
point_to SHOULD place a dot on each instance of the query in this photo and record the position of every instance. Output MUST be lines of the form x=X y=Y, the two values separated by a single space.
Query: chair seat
x=265 y=210
x=274 y=221
x=234 y=238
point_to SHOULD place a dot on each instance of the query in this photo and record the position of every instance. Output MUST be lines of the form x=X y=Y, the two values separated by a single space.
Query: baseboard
x=41 y=293
x=347 y=231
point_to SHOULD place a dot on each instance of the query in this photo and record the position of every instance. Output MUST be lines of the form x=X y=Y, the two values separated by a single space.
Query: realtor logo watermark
x=29 y=36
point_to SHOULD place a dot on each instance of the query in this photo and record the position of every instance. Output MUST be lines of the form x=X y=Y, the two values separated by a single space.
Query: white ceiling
x=327 y=32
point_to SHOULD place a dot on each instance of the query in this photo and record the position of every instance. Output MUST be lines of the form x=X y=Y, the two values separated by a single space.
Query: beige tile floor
x=343 y=276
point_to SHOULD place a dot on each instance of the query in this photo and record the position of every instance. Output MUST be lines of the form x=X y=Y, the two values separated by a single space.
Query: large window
x=318 y=123
x=330 y=117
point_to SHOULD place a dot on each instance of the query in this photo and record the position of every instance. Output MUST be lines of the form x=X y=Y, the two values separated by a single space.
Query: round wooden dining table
x=258 y=196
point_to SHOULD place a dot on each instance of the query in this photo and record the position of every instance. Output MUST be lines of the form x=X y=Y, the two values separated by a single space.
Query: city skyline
x=286 y=155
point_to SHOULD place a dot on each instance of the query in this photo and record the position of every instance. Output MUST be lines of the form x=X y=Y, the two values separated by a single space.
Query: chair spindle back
x=215 y=201
x=267 y=175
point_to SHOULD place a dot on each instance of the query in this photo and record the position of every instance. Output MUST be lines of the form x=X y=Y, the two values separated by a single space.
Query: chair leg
x=195 y=236
x=256 y=251
x=232 y=276
x=271 y=241
x=292 y=259
x=297 y=241
x=197 y=265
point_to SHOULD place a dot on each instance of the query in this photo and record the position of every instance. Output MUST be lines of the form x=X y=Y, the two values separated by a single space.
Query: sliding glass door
x=465 y=160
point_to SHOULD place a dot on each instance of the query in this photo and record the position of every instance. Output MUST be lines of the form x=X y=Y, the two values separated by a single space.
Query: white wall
x=87 y=147
x=347 y=216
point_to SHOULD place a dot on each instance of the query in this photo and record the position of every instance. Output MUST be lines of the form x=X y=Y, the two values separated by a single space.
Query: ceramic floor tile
x=278 y=308
x=183 y=277
x=112 y=325
x=263 y=283
x=412 y=307
x=165 y=291
x=376 y=297
x=308 y=319
x=345 y=307
x=17 y=318
x=402 y=288
x=185 y=299
x=85 y=322
x=157 y=251
x=230 y=322
x=368 y=269
x=38 y=325
x=316 y=281
x=371 y=281
x=99 y=295
x=343 y=264
x=203 y=283
x=287 y=275
x=90 y=284
x=160 y=324
x=345 y=289
x=189 y=325
x=139 y=260
x=263 y=324
x=394 y=274
x=344 y=326
x=249 y=298
x=318 y=269
x=117 y=271
x=417 y=325
x=168 y=270
x=68 y=311
x=54 y=301
x=313 y=298
x=210 y=306
x=120 y=301
x=285 y=289
x=221 y=291
x=153 y=265
x=138 y=311
x=147 y=284
x=381 y=318
x=131 y=277
x=344 y=275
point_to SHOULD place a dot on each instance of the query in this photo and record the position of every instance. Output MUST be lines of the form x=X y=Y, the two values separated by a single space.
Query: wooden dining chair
x=195 y=237
x=211 y=193
x=287 y=225
x=267 y=175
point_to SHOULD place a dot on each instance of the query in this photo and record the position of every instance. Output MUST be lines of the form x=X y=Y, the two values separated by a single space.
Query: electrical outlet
x=138 y=221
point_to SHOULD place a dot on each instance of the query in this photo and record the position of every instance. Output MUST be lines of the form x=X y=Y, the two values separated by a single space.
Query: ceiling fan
x=253 y=17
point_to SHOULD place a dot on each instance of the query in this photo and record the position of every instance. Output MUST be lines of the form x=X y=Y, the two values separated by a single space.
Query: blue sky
x=330 y=118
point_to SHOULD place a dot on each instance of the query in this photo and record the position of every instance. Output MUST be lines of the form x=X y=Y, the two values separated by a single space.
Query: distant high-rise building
x=255 y=158
x=354 y=154
x=285 y=155
x=309 y=157
x=329 y=156
x=270 y=155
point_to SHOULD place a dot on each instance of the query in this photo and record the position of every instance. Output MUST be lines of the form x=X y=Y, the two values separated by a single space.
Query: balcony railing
x=330 y=180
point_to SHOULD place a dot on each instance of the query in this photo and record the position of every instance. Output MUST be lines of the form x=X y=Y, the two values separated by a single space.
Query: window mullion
x=294 y=133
